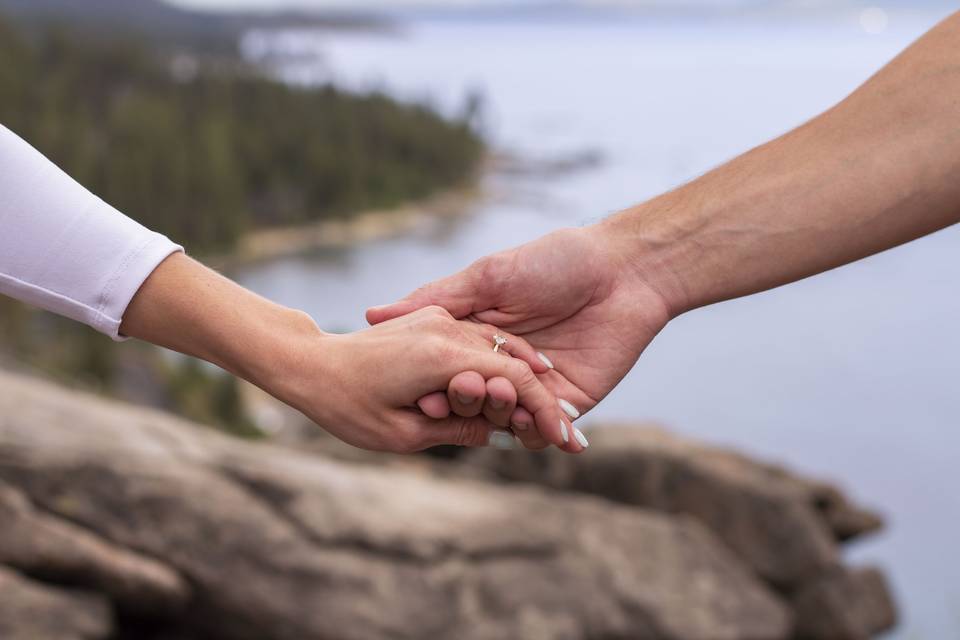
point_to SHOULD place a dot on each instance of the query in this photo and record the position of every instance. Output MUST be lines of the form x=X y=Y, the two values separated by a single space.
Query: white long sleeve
x=62 y=248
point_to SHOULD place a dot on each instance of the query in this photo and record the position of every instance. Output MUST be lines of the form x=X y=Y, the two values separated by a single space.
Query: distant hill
x=163 y=22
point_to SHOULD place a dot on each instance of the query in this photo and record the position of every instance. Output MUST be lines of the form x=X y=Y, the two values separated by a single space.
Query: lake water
x=852 y=375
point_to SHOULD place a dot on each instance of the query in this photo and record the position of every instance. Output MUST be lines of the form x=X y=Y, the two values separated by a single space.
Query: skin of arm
x=878 y=170
x=362 y=387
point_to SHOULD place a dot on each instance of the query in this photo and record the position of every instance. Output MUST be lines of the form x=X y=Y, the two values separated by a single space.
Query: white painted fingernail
x=569 y=409
x=501 y=440
x=545 y=360
x=582 y=439
x=564 y=433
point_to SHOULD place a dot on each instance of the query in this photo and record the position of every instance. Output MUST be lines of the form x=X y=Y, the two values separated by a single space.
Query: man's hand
x=573 y=295
x=877 y=170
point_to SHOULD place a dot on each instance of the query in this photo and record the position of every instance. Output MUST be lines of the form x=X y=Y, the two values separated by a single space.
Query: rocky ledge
x=120 y=522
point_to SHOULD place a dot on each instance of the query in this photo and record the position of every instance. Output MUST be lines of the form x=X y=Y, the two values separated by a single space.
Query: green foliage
x=209 y=397
x=204 y=157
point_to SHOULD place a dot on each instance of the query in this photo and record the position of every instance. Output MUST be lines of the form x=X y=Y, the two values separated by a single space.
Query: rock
x=51 y=548
x=845 y=605
x=275 y=544
x=32 y=611
x=847 y=521
x=784 y=527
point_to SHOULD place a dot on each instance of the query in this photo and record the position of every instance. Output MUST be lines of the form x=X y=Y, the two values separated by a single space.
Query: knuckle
x=499 y=268
x=469 y=434
x=437 y=311
x=490 y=330
x=487 y=268
x=483 y=268
x=520 y=373
x=444 y=351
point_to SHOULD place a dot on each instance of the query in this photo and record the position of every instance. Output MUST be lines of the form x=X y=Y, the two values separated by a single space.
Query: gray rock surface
x=33 y=611
x=240 y=540
x=52 y=548
x=844 y=605
x=785 y=527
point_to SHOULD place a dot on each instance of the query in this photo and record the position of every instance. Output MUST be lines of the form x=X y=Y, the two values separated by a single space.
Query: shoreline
x=365 y=226
x=371 y=225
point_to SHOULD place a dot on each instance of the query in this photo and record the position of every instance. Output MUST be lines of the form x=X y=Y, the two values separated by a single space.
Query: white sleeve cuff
x=130 y=276
x=65 y=250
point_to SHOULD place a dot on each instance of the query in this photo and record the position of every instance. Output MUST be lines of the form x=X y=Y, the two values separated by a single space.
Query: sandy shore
x=367 y=226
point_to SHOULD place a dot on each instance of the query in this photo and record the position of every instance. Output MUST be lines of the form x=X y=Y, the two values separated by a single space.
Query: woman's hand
x=364 y=387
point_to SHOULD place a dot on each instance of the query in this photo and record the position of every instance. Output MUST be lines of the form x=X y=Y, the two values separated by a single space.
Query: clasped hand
x=425 y=379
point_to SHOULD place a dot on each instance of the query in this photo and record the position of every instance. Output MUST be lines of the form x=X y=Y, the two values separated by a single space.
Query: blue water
x=852 y=375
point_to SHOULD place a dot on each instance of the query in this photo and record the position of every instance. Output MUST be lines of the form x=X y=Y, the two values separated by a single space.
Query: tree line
x=206 y=152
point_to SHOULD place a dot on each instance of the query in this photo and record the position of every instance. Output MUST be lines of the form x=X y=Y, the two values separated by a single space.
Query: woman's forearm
x=876 y=171
x=191 y=309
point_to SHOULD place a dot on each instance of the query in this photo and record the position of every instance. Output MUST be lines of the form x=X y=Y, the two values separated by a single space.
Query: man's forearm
x=878 y=170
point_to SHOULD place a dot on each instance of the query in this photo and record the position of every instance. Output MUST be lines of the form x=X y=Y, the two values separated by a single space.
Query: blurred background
x=335 y=155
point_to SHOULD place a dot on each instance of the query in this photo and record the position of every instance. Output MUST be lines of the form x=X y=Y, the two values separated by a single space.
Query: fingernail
x=501 y=440
x=569 y=409
x=465 y=399
x=497 y=404
x=519 y=426
x=545 y=360
x=582 y=439
x=564 y=433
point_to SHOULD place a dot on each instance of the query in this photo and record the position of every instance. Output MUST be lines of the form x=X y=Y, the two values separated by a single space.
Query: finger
x=521 y=421
x=515 y=345
x=574 y=407
x=460 y=294
x=465 y=432
x=466 y=393
x=549 y=419
x=569 y=397
x=578 y=404
x=573 y=401
x=501 y=401
x=435 y=405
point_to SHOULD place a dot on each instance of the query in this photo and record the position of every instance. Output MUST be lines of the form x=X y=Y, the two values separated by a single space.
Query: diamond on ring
x=498 y=341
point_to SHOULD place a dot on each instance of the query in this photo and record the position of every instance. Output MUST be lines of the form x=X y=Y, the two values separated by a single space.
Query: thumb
x=459 y=294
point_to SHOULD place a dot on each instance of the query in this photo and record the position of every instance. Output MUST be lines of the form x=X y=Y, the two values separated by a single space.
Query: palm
x=567 y=297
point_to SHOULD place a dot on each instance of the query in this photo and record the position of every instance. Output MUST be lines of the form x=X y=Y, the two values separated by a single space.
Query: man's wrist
x=648 y=255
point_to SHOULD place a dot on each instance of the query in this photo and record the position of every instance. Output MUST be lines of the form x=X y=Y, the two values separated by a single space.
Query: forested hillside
x=205 y=155
x=166 y=25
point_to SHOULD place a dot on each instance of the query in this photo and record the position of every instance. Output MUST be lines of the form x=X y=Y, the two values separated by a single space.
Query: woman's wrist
x=275 y=344
x=186 y=307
